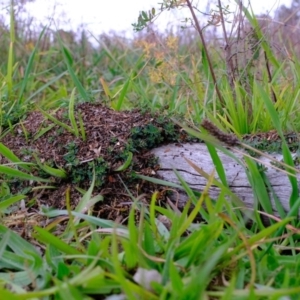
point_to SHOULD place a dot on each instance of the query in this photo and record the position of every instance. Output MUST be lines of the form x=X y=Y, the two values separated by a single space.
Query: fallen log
x=174 y=156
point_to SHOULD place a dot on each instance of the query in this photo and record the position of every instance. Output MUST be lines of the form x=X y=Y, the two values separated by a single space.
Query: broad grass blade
x=287 y=156
x=18 y=174
x=6 y=152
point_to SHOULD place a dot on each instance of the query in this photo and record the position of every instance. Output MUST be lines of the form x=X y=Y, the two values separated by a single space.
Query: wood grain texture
x=173 y=157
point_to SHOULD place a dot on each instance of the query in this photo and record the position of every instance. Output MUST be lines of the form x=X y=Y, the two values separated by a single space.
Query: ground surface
x=110 y=138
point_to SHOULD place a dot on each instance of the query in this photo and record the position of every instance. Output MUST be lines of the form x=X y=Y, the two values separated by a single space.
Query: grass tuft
x=217 y=89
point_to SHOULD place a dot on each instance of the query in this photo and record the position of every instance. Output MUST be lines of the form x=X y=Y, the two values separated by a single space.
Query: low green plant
x=105 y=263
x=71 y=156
x=194 y=252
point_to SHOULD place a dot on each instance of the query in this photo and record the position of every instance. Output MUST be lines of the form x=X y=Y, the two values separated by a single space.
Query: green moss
x=71 y=156
x=79 y=173
x=151 y=136
x=84 y=172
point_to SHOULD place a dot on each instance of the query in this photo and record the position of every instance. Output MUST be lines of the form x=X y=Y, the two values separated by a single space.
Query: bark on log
x=172 y=157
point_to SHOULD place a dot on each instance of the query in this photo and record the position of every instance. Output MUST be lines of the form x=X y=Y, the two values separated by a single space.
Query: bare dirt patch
x=110 y=138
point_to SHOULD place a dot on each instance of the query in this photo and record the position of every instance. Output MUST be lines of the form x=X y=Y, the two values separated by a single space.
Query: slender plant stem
x=206 y=51
x=227 y=48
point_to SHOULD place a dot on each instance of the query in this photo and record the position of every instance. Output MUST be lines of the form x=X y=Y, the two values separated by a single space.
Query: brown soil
x=110 y=136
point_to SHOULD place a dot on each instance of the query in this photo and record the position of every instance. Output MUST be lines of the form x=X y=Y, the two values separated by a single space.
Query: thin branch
x=206 y=52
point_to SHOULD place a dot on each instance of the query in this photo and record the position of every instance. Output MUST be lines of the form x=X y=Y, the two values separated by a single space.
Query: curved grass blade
x=258 y=186
x=43 y=87
x=10 y=62
x=46 y=237
x=17 y=244
x=217 y=163
x=43 y=131
x=159 y=181
x=126 y=163
x=15 y=173
x=81 y=126
x=69 y=62
x=8 y=202
x=287 y=156
x=92 y=220
x=29 y=65
x=260 y=35
x=123 y=94
x=72 y=114
x=60 y=173
x=6 y=152
x=57 y=122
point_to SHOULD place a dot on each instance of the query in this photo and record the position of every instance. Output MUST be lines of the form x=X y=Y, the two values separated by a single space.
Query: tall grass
x=221 y=257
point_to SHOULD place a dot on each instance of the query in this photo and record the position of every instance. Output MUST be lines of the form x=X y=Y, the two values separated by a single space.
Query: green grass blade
x=260 y=36
x=10 y=63
x=57 y=122
x=217 y=163
x=6 y=294
x=29 y=65
x=11 y=156
x=18 y=174
x=159 y=181
x=288 y=159
x=3 y=242
x=92 y=220
x=123 y=94
x=69 y=61
x=59 y=173
x=43 y=131
x=83 y=203
x=126 y=163
x=194 y=199
x=46 y=237
x=287 y=156
x=278 y=204
x=81 y=126
x=72 y=114
x=258 y=186
x=8 y=202
x=17 y=244
x=43 y=87
x=271 y=109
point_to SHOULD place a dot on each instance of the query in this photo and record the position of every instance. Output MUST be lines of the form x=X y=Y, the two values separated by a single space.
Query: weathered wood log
x=173 y=157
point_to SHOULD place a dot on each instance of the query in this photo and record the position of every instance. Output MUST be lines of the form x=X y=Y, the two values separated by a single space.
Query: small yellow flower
x=164 y=60
x=155 y=75
x=172 y=43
